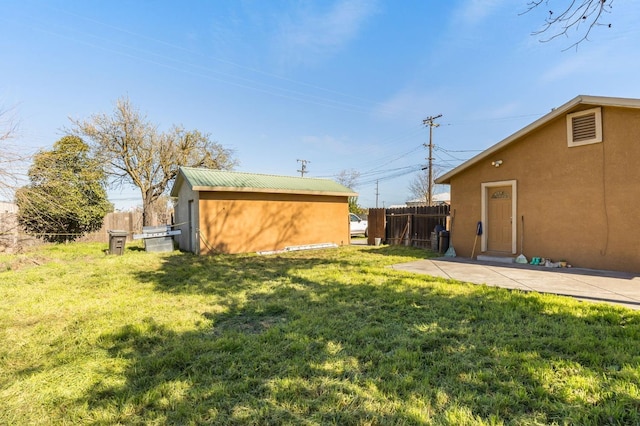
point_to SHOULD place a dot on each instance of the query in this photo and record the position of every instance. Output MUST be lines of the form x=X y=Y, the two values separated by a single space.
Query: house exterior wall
x=242 y=222
x=188 y=229
x=579 y=204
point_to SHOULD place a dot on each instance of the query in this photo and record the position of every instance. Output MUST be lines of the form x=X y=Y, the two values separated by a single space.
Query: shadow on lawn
x=224 y=275
x=313 y=350
x=399 y=250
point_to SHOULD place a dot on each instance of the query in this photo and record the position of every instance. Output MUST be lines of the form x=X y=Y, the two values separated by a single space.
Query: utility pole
x=429 y=121
x=303 y=167
x=377 y=193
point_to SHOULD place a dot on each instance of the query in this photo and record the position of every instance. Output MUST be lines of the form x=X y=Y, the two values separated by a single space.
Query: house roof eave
x=177 y=184
x=555 y=113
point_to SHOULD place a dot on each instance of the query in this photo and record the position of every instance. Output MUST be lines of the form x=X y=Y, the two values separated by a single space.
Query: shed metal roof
x=201 y=179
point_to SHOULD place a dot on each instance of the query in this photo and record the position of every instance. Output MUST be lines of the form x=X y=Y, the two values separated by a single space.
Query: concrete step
x=498 y=259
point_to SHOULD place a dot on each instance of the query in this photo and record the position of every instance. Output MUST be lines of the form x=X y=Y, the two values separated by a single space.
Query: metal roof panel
x=202 y=179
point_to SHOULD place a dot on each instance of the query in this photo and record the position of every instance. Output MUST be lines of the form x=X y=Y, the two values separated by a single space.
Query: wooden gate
x=410 y=226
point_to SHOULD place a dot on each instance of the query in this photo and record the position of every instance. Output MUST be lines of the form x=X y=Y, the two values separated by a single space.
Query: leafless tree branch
x=12 y=160
x=134 y=152
x=579 y=15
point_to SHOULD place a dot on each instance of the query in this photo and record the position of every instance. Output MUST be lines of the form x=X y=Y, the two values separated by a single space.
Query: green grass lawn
x=314 y=337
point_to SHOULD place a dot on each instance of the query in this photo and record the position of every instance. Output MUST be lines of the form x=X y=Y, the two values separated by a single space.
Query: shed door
x=499 y=237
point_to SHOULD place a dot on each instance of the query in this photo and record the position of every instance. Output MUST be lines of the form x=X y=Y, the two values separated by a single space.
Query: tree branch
x=576 y=15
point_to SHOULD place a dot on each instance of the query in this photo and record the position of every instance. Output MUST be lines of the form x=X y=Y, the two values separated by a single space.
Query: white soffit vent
x=584 y=127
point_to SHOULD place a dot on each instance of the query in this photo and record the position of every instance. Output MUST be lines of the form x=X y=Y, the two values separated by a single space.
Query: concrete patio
x=618 y=288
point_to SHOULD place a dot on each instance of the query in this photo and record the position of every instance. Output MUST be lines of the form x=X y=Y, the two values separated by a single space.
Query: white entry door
x=499 y=219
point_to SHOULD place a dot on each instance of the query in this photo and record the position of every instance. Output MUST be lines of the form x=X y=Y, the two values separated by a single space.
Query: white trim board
x=514 y=203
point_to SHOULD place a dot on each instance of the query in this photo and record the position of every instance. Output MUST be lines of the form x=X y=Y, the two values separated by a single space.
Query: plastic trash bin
x=117 y=240
x=435 y=235
x=443 y=242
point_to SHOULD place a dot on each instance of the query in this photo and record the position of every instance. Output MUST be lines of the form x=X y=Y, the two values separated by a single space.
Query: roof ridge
x=253 y=173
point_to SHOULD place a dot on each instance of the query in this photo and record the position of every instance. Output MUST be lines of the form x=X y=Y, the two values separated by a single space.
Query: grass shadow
x=297 y=341
x=223 y=274
x=400 y=250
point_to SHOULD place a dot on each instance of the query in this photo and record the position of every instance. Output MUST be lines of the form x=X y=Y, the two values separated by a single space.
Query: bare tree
x=13 y=172
x=579 y=15
x=349 y=178
x=8 y=125
x=11 y=160
x=419 y=185
x=135 y=152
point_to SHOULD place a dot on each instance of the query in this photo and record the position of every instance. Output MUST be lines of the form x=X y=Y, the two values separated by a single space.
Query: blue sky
x=343 y=84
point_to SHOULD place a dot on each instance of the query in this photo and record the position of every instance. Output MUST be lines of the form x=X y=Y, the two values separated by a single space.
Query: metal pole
x=303 y=168
x=430 y=184
x=429 y=121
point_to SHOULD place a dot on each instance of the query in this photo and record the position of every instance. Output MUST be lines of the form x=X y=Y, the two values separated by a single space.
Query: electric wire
x=221 y=60
x=206 y=72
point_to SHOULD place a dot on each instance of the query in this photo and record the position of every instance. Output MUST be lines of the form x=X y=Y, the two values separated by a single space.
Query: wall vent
x=584 y=127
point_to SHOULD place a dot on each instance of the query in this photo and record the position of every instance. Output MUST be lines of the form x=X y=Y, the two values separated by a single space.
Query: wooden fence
x=130 y=222
x=410 y=226
x=13 y=238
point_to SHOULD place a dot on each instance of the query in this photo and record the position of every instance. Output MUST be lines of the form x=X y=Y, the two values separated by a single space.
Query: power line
x=392 y=174
x=438 y=148
x=170 y=62
x=450 y=155
x=377 y=164
x=221 y=60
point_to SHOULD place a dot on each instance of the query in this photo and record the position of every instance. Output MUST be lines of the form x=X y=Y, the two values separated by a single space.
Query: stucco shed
x=565 y=187
x=231 y=212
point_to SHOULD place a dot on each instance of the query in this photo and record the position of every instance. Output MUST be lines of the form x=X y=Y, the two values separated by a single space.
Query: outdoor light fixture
x=496 y=163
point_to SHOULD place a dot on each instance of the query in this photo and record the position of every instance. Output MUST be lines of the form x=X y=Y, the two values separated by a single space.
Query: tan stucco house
x=231 y=212
x=565 y=187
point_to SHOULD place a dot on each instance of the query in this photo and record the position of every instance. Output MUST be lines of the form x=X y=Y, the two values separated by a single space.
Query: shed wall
x=183 y=221
x=238 y=222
